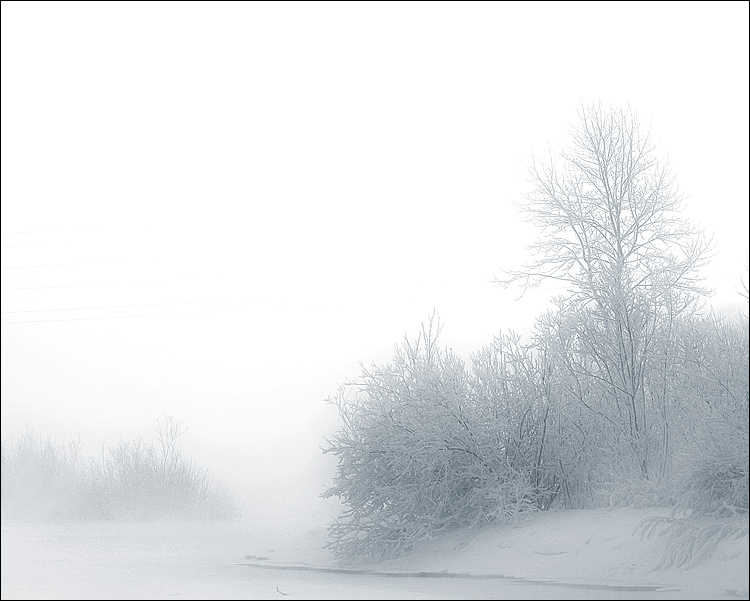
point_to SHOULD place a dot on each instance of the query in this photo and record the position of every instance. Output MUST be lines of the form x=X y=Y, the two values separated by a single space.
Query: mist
x=220 y=212
x=223 y=230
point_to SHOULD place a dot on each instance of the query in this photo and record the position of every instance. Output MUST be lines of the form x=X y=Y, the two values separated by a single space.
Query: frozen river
x=215 y=561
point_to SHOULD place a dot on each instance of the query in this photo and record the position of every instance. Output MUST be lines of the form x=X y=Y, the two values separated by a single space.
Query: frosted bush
x=44 y=481
x=420 y=454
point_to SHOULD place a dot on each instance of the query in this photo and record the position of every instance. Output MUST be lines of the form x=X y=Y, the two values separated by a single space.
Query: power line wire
x=126 y=306
x=62 y=264
x=122 y=316
x=69 y=229
x=103 y=284
x=36 y=245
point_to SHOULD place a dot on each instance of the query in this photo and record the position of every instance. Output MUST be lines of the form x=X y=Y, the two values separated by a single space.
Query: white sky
x=325 y=174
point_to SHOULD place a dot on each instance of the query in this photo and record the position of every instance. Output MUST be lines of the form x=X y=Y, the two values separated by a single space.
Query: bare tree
x=609 y=212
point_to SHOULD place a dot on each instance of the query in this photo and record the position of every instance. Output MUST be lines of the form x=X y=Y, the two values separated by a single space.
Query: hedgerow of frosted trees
x=625 y=394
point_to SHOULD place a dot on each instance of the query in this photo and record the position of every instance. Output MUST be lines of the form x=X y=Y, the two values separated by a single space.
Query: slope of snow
x=571 y=546
x=559 y=554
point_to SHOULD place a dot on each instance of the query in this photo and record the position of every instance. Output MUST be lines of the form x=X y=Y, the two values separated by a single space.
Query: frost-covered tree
x=623 y=395
x=611 y=230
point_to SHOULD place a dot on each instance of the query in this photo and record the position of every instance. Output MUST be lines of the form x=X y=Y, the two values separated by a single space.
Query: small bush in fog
x=141 y=481
x=40 y=480
x=134 y=480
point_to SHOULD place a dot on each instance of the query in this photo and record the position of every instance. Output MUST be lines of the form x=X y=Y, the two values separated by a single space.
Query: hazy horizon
x=217 y=210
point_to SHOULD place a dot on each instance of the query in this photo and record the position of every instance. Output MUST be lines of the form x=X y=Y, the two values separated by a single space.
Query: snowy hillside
x=591 y=546
x=588 y=554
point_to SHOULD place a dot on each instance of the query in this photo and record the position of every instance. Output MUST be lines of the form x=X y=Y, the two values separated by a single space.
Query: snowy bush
x=420 y=453
x=715 y=478
x=712 y=464
x=141 y=481
x=135 y=480
x=40 y=480
x=715 y=465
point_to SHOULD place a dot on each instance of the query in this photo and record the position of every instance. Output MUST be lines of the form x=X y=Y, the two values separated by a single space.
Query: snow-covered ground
x=554 y=555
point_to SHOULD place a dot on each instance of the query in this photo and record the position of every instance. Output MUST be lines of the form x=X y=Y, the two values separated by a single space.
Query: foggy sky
x=288 y=189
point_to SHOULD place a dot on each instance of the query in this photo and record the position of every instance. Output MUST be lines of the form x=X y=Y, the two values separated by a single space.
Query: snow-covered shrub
x=40 y=479
x=142 y=481
x=420 y=453
x=139 y=484
x=43 y=481
x=712 y=464
x=715 y=465
x=715 y=477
